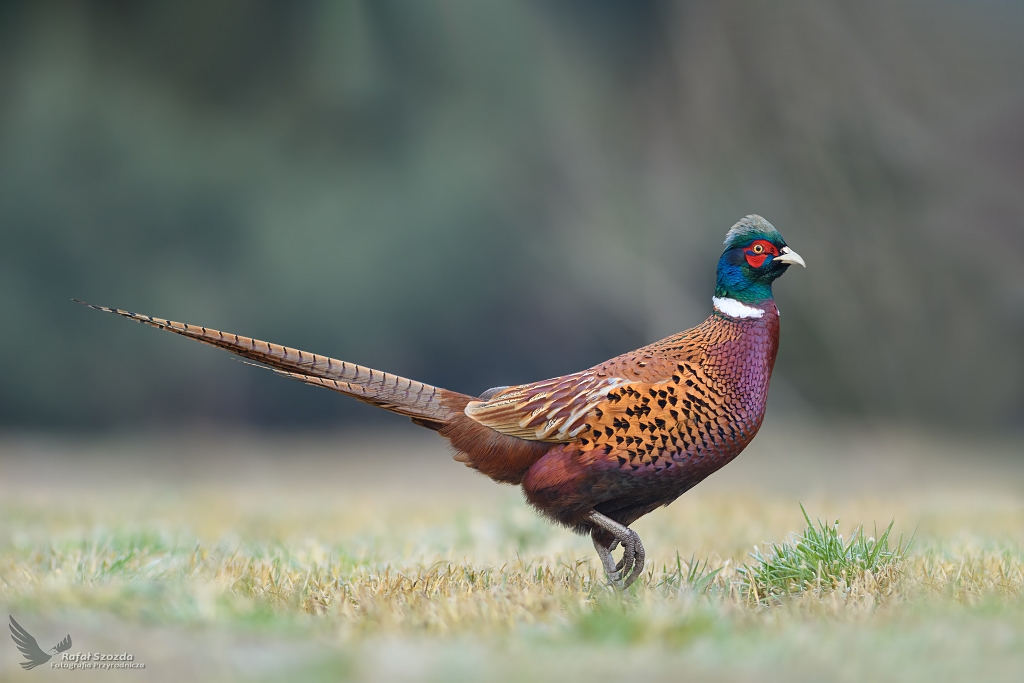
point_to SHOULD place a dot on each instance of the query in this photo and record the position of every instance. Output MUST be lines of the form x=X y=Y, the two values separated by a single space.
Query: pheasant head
x=755 y=255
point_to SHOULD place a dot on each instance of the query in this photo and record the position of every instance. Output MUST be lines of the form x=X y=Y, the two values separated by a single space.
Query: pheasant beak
x=789 y=256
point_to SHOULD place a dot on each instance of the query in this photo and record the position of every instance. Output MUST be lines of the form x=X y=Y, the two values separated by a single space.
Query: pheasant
x=597 y=449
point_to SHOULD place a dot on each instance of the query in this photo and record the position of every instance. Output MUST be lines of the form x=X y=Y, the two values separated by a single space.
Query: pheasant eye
x=758 y=248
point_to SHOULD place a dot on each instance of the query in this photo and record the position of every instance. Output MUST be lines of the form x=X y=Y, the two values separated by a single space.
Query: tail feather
x=428 y=405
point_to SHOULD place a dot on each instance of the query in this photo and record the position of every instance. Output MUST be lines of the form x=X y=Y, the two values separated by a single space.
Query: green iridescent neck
x=734 y=282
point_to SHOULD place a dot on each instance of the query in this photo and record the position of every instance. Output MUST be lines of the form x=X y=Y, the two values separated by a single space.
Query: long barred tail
x=427 y=405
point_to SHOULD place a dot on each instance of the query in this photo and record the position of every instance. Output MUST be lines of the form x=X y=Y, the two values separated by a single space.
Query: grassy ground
x=225 y=559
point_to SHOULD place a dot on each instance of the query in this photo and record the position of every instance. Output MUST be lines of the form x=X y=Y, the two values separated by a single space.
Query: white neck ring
x=736 y=309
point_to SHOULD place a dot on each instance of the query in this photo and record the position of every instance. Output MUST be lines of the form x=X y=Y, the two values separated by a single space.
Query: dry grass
x=322 y=576
x=365 y=597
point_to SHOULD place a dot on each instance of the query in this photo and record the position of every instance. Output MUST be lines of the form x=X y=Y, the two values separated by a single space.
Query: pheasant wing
x=552 y=410
x=667 y=409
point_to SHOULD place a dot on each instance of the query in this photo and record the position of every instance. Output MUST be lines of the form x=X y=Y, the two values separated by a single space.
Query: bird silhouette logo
x=34 y=656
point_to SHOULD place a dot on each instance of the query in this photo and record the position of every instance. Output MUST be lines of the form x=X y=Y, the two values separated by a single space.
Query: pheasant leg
x=622 y=574
x=611 y=570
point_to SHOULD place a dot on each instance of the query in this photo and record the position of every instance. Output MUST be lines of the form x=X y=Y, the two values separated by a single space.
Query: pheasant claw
x=623 y=573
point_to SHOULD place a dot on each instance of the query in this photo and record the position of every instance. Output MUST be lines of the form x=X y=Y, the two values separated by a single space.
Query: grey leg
x=606 y=559
x=626 y=571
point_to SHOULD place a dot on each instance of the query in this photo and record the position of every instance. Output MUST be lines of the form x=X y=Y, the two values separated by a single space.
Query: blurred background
x=476 y=194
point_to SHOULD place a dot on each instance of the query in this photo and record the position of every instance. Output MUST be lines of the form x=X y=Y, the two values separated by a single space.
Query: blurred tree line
x=484 y=193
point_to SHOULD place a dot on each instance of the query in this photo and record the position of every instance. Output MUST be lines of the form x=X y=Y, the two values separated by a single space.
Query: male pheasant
x=598 y=449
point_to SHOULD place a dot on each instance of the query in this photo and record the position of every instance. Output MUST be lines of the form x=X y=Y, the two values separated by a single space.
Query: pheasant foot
x=623 y=573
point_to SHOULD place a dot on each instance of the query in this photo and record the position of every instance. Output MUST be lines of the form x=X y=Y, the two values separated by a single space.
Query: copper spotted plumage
x=598 y=449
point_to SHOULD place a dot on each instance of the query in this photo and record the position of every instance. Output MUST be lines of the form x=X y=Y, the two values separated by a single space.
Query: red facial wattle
x=759 y=251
